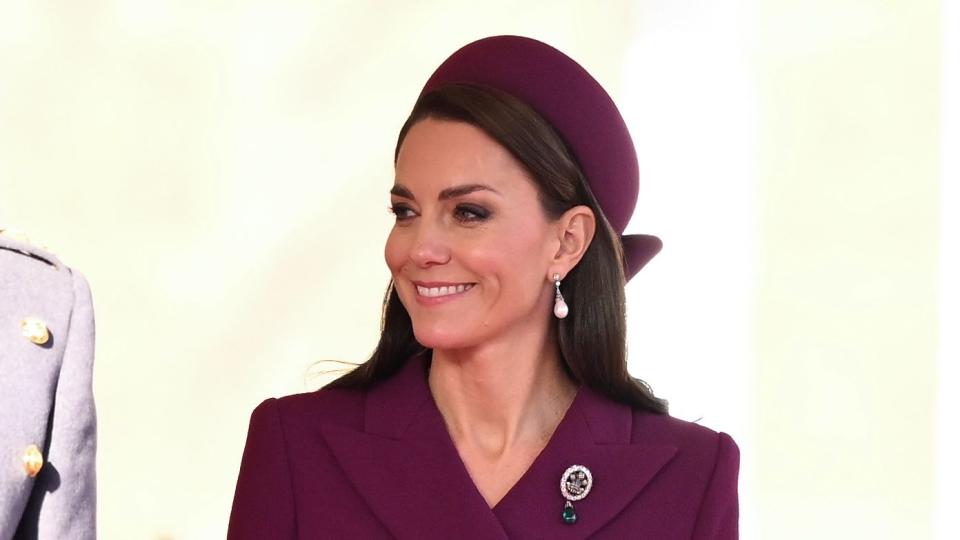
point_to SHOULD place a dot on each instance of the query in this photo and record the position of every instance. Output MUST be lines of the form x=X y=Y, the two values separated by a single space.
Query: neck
x=501 y=396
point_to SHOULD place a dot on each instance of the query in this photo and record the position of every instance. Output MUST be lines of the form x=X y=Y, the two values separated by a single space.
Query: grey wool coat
x=47 y=417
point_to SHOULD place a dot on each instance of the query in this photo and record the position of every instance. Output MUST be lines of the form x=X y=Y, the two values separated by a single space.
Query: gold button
x=35 y=330
x=32 y=460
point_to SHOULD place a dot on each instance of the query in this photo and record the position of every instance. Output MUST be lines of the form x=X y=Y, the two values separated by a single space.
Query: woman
x=497 y=403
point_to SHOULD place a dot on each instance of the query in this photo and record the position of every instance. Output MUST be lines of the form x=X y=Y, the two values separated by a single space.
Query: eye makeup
x=463 y=212
x=471 y=212
x=400 y=211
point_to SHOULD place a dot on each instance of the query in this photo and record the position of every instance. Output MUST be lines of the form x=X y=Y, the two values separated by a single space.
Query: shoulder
x=337 y=406
x=705 y=461
x=706 y=464
x=378 y=406
x=699 y=448
x=666 y=429
x=29 y=270
x=19 y=250
x=39 y=297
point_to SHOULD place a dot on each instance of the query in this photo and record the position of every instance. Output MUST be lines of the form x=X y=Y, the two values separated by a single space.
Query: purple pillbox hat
x=577 y=107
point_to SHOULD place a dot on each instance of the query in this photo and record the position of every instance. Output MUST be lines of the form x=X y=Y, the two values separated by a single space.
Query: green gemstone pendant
x=569 y=513
x=575 y=484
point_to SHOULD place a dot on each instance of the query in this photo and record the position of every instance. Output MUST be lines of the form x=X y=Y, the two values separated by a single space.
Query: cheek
x=518 y=260
x=394 y=252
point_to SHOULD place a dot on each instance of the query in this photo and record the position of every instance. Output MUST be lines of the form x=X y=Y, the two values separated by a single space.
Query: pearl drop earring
x=560 y=308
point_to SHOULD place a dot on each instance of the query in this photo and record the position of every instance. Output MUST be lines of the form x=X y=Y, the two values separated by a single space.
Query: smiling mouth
x=446 y=290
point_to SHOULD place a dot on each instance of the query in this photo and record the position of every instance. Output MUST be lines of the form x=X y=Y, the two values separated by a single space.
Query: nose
x=430 y=246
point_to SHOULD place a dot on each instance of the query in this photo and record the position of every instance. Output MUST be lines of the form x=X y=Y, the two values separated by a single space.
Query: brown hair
x=592 y=339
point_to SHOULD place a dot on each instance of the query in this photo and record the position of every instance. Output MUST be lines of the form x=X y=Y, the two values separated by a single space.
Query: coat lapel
x=404 y=464
x=406 y=467
x=596 y=433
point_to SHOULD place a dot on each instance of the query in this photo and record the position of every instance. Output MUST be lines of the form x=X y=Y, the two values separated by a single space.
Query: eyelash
x=396 y=209
x=479 y=214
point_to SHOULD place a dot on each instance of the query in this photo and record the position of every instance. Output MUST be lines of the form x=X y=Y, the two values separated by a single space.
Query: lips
x=432 y=290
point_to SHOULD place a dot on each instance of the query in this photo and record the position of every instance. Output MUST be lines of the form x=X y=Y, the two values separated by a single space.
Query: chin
x=437 y=337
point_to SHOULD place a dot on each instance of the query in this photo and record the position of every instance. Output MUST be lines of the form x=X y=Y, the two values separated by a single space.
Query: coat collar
x=405 y=465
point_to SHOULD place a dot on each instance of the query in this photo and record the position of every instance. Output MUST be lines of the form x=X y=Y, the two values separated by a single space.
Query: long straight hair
x=592 y=338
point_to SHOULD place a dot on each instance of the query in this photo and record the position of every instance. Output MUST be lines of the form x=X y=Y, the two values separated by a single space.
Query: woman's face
x=471 y=248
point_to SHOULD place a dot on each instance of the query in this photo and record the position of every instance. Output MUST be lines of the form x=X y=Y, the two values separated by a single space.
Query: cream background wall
x=219 y=171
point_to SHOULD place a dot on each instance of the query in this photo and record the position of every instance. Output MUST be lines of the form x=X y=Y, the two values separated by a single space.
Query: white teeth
x=443 y=291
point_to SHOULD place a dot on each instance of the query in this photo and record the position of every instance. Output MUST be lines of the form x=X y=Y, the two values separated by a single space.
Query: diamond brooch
x=575 y=484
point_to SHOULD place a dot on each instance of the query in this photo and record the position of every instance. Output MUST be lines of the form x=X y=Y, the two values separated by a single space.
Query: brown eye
x=401 y=211
x=471 y=212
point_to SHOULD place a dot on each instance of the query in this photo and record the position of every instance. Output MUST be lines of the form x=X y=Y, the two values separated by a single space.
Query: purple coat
x=380 y=464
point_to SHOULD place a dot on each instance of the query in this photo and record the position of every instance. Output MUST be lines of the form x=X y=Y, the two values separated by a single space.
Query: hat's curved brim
x=638 y=249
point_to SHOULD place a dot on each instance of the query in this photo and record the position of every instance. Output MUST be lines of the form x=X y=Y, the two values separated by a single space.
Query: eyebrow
x=451 y=192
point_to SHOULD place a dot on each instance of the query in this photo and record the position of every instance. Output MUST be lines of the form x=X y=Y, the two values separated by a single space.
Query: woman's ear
x=574 y=230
